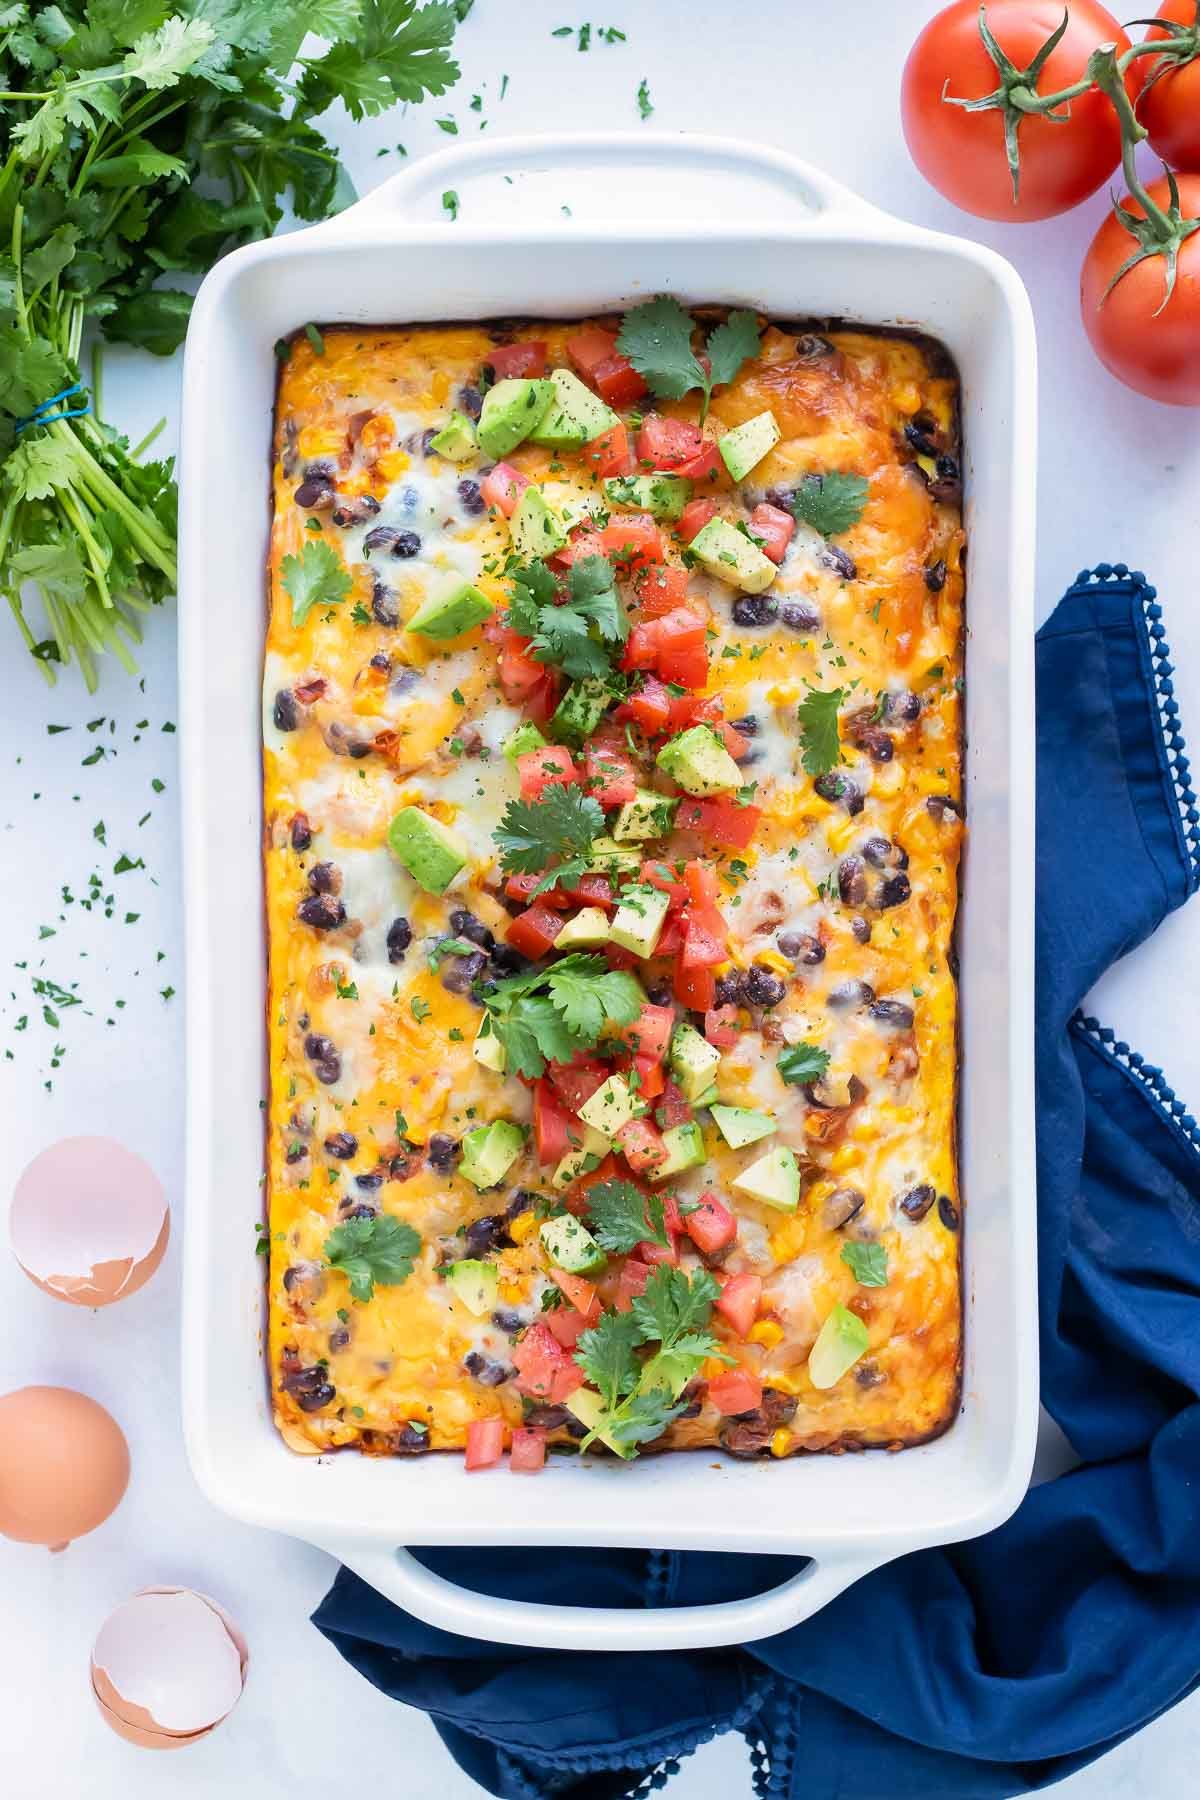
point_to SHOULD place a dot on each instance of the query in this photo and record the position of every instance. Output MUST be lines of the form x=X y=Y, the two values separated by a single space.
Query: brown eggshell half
x=134 y=1722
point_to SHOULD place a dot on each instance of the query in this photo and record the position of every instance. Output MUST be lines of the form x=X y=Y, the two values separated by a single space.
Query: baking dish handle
x=619 y=178
x=398 y=1576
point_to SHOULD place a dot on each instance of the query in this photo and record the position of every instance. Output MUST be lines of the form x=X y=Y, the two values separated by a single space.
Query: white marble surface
x=1119 y=480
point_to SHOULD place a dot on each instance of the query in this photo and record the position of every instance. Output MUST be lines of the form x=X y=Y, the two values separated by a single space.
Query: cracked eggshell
x=167 y=1667
x=89 y=1221
x=64 y=1465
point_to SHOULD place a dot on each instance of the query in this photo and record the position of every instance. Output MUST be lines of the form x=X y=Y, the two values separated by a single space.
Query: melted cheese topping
x=370 y=1054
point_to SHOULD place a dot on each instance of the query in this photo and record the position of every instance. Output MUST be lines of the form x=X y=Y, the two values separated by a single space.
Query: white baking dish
x=748 y=227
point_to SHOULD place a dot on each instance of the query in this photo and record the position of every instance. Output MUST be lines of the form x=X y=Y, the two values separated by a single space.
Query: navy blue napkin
x=996 y=1667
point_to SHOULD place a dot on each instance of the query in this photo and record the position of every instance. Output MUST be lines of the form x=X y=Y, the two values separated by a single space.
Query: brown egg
x=89 y=1221
x=64 y=1465
x=167 y=1667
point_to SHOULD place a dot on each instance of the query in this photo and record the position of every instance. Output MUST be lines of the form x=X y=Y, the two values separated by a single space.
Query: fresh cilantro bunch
x=577 y=632
x=550 y=1014
x=141 y=139
x=372 y=1252
x=657 y=339
x=563 y=822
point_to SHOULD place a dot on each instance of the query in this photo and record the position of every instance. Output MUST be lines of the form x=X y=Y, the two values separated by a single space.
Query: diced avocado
x=588 y=928
x=684 y=1145
x=708 y=1096
x=429 y=850
x=474 y=1284
x=537 y=530
x=638 y=921
x=456 y=440
x=774 y=1179
x=647 y=815
x=591 y=1149
x=731 y=557
x=748 y=443
x=612 y=1105
x=588 y=1408
x=525 y=737
x=571 y=1245
x=449 y=615
x=841 y=1340
x=699 y=762
x=694 y=1061
x=580 y=710
x=662 y=496
x=739 y=1126
x=575 y=415
x=511 y=409
x=490 y=1151
x=487 y=1049
x=607 y=857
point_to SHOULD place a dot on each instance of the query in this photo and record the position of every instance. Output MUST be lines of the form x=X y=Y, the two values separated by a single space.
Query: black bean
x=947 y=483
x=399 y=937
x=342 y=1144
x=381 y=537
x=658 y=993
x=947 y=1212
x=325 y=878
x=322 y=468
x=425 y=440
x=408 y=543
x=861 y=928
x=893 y=1013
x=811 y=347
x=939 y=805
x=521 y=1202
x=385 y=608
x=801 y=946
x=339 y=1338
x=917 y=1202
x=485 y=1371
x=875 y=741
x=763 y=987
x=304 y=1275
x=458 y=974
x=403 y=1166
x=507 y=1318
x=842 y=1206
x=296 y=1152
x=323 y=1054
x=442 y=1152
x=470 y=401
x=310 y=1387
x=903 y=706
x=836 y=786
x=834 y=557
x=800 y=615
x=852 y=881
x=370 y=1181
x=286 y=713
x=730 y=988
x=301 y=831
x=893 y=891
x=507 y=961
x=355 y=510
x=848 y=994
x=470 y=498
x=869 y=1375
x=315 y=494
x=343 y=742
x=487 y=1234
x=877 y=851
x=381 y=661
x=747 y=725
x=935 y=576
x=920 y=440
x=547 y=1418
x=362 y=1211
x=755 y=609
x=464 y=924
x=324 y=912
x=410 y=1440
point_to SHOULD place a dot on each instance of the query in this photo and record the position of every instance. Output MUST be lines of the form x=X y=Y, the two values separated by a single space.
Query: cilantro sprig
x=818 y=716
x=830 y=503
x=373 y=1253
x=548 y=1015
x=562 y=822
x=657 y=339
x=621 y=1215
x=317 y=577
x=578 y=631
x=802 y=1063
x=868 y=1263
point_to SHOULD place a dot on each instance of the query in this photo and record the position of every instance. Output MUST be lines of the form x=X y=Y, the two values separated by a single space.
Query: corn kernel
x=781 y=1441
x=788 y=1241
x=907 y=398
x=847 y=1157
x=783 y=693
x=929 y=466
x=320 y=440
x=712 y=1367
x=359 y=482
x=511 y=1292
x=772 y=959
x=841 y=835
x=392 y=464
x=767 y=1333
x=522 y=1227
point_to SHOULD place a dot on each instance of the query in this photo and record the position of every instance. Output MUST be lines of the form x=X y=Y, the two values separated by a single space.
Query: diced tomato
x=541 y=701
x=641 y=646
x=589 y=348
x=650 y=1032
x=736 y=1391
x=579 y=1292
x=527 y=359
x=683 y=647
x=551 y=1123
x=533 y=932
x=633 y=1278
x=664 y=443
x=566 y=1325
x=632 y=540
x=584 y=541
x=701 y=948
x=654 y=1254
x=593 y=890
x=502 y=488
x=576 y=1082
x=520 y=675
x=544 y=1369
x=661 y=588
x=617 y=381
x=650 y=1077
x=732 y=738
x=670 y=938
x=683 y=711
x=663 y=876
x=705 y=467
x=485 y=1441
x=608 y=1170
x=711 y=1225
x=672 y=1217
x=701 y=879
x=642 y=1146
x=774 y=527
x=695 y=988
x=723 y=821
x=738 y=1300
x=618 y=957
x=519 y=887
x=528 y=1451
x=650 y=707
x=609 y=454
x=673 y=1109
x=720 y=1027
x=694 y=518
x=549 y=766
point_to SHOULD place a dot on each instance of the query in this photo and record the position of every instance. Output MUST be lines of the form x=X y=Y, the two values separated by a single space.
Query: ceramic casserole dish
x=770 y=233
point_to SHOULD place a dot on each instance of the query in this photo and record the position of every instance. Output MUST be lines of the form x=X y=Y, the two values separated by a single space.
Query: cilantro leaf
x=818 y=716
x=672 y=1369
x=587 y=1000
x=868 y=1263
x=561 y=628
x=398 y=52
x=547 y=1015
x=562 y=821
x=736 y=341
x=317 y=577
x=830 y=503
x=593 y=594
x=606 y=1356
x=621 y=1215
x=372 y=1251
x=449 y=946
x=533 y=587
x=644 y=1417
x=657 y=339
x=800 y=1063
x=671 y=1305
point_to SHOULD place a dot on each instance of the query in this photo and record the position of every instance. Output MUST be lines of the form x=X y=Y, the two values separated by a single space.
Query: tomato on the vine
x=974 y=114
x=1169 y=103
x=1144 y=329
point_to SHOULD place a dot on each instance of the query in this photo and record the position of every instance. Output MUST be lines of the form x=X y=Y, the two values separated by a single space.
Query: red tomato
x=544 y=1370
x=641 y=646
x=527 y=359
x=661 y=588
x=642 y=1146
x=702 y=885
x=661 y=875
x=674 y=1109
x=610 y=777
x=633 y=1278
x=566 y=1326
x=618 y=382
x=579 y=1292
x=738 y=1301
x=694 y=517
x=723 y=820
x=519 y=887
x=672 y=1218
x=609 y=454
x=632 y=541
x=962 y=153
x=593 y=890
x=711 y=1226
x=650 y=1032
x=551 y=1123
x=1149 y=345
x=549 y=766
x=720 y=1027
x=683 y=648
x=520 y=676
x=502 y=488
x=664 y=443
x=528 y=1451
x=737 y=1391
x=670 y=938
x=533 y=932
x=705 y=467
x=542 y=701
x=650 y=707
x=650 y=1077
x=653 y=1254
x=694 y=988
x=485 y=1441
x=1169 y=107
x=774 y=527
x=590 y=347
x=701 y=949
x=576 y=1082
